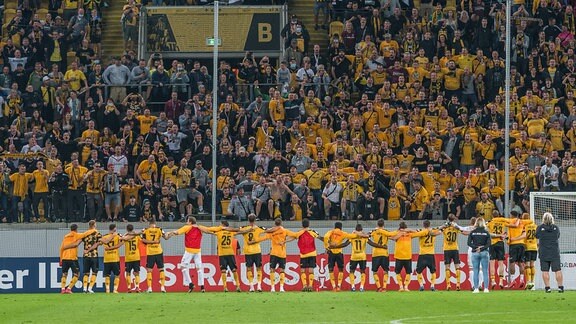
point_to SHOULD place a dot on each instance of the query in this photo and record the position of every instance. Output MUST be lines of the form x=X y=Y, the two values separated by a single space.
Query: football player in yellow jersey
x=531 y=248
x=131 y=259
x=380 y=256
x=403 y=255
x=226 y=252
x=451 y=253
x=111 y=243
x=358 y=239
x=277 y=235
x=307 y=247
x=515 y=248
x=90 y=258
x=497 y=251
x=335 y=257
x=253 y=252
x=154 y=254
x=69 y=256
x=426 y=238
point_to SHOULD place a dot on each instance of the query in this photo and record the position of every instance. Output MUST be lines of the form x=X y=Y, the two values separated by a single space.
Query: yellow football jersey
x=450 y=238
x=153 y=234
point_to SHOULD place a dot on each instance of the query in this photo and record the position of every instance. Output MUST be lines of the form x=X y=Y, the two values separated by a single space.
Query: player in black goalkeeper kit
x=548 y=235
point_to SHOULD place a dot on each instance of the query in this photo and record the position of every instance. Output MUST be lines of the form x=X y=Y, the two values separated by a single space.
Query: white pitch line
x=427 y=318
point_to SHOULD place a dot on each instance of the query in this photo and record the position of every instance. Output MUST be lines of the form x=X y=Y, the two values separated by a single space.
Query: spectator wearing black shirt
x=479 y=241
x=548 y=235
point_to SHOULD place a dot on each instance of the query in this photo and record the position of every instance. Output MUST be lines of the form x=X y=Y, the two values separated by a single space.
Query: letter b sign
x=264 y=32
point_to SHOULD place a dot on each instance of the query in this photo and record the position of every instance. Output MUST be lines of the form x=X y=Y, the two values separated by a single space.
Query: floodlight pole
x=214 y=111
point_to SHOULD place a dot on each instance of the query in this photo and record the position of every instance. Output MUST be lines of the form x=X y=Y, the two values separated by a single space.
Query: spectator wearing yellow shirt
x=75 y=77
x=146 y=120
x=452 y=79
x=76 y=172
x=147 y=170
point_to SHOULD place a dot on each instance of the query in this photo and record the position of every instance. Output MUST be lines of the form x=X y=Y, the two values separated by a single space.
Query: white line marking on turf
x=443 y=317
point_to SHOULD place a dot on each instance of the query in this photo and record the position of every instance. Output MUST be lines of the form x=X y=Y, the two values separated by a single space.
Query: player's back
x=425 y=241
x=131 y=250
x=497 y=226
x=153 y=234
x=380 y=236
x=306 y=243
x=450 y=238
x=255 y=248
x=358 y=247
x=225 y=246
x=530 y=241
x=403 y=247
x=515 y=231
x=88 y=242
x=334 y=237
x=111 y=255
x=278 y=239
x=70 y=254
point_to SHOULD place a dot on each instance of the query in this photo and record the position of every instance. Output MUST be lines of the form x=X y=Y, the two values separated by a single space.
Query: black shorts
x=355 y=264
x=277 y=262
x=380 y=262
x=227 y=261
x=403 y=264
x=451 y=256
x=516 y=253
x=546 y=265
x=90 y=263
x=156 y=259
x=335 y=260
x=254 y=259
x=132 y=265
x=530 y=256
x=308 y=262
x=70 y=264
x=426 y=261
x=111 y=268
x=497 y=252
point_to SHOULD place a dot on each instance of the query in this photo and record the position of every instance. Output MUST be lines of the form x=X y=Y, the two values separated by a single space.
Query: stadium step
x=304 y=9
x=112 y=38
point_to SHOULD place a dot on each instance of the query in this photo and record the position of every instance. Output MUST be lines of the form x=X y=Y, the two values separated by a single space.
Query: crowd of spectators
x=402 y=116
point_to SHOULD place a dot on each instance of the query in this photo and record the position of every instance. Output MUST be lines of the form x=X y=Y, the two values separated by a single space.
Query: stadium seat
x=11 y=5
x=42 y=12
x=336 y=27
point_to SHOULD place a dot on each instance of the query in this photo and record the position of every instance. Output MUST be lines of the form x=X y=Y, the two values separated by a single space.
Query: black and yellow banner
x=186 y=29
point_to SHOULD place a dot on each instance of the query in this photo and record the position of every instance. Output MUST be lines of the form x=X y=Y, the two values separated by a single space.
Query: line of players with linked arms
x=518 y=231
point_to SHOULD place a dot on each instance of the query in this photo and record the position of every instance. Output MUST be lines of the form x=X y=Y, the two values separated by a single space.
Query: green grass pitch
x=291 y=307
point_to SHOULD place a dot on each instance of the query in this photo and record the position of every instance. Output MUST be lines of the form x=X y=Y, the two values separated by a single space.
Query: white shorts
x=192 y=258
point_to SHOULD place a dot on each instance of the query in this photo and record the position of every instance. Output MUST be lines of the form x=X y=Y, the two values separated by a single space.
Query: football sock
x=223 y=277
x=303 y=278
x=420 y=280
x=162 y=278
x=433 y=279
x=149 y=279
x=311 y=279
x=340 y=278
x=352 y=279
x=137 y=281
x=272 y=278
x=186 y=276
x=259 y=276
x=407 y=280
x=527 y=273
x=362 y=279
x=532 y=273
x=128 y=281
x=282 y=275
x=237 y=278
x=92 y=281
x=116 y=283
x=250 y=276
x=448 y=283
x=332 y=280
x=376 y=280
x=200 y=273
x=457 y=277
x=85 y=281
x=399 y=279
x=63 y=282
x=107 y=283
x=385 y=280
x=73 y=281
